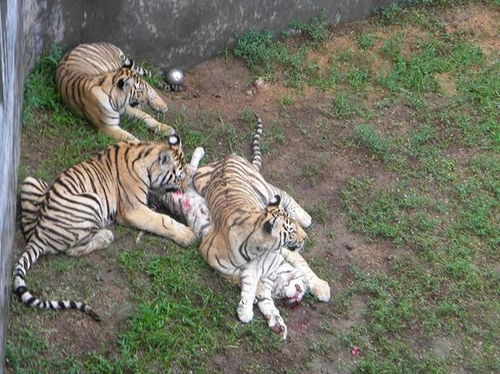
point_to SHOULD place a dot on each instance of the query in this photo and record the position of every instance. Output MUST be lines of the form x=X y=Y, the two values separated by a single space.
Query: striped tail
x=257 y=155
x=28 y=258
x=139 y=70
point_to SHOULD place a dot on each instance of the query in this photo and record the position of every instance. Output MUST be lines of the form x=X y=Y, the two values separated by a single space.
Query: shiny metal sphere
x=175 y=76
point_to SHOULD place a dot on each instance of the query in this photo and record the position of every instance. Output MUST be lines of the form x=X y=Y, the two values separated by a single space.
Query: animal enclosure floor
x=386 y=131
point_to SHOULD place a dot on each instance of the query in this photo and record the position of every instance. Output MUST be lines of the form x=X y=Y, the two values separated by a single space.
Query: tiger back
x=99 y=83
x=70 y=215
x=246 y=216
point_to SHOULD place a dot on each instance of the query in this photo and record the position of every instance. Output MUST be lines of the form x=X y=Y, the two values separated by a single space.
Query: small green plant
x=365 y=41
x=366 y=136
x=390 y=13
x=316 y=30
x=358 y=78
x=257 y=49
x=343 y=105
x=286 y=100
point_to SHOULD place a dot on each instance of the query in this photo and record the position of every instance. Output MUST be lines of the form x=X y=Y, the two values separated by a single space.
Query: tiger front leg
x=150 y=122
x=118 y=134
x=144 y=218
x=110 y=125
x=156 y=101
x=248 y=283
x=268 y=309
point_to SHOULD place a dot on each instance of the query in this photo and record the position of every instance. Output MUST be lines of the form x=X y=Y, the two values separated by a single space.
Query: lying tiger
x=71 y=215
x=99 y=83
x=271 y=270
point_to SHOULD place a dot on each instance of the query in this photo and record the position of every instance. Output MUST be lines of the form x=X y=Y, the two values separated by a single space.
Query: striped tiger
x=99 y=83
x=70 y=216
x=254 y=226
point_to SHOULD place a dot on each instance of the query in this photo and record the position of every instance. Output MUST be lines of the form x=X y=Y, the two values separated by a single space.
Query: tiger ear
x=124 y=84
x=128 y=63
x=174 y=141
x=275 y=201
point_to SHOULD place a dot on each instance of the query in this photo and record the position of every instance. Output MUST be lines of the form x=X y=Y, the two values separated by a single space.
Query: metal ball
x=175 y=76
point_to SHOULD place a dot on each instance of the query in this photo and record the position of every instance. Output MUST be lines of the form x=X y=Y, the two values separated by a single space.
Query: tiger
x=72 y=214
x=99 y=83
x=246 y=234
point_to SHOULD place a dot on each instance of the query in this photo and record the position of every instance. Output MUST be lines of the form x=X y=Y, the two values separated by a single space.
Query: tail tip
x=94 y=315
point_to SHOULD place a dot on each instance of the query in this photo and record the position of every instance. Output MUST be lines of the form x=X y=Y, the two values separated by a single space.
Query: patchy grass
x=387 y=131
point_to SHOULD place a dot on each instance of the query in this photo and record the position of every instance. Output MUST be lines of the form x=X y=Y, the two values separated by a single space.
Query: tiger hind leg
x=101 y=240
x=32 y=195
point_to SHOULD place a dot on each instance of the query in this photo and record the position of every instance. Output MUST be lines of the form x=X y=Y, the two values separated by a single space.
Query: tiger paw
x=133 y=140
x=103 y=238
x=303 y=218
x=320 y=289
x=164 y=129
x=198 y=154
x=184 y=236
x=277 y=324
x=245 y=312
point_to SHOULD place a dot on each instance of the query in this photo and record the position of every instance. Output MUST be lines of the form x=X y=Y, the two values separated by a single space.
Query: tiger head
x=168 y=172
x=290 y=286
x=132 y=89
x=281 y=227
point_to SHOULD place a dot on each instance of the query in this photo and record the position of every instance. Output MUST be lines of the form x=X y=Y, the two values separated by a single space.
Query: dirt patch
x=95 y=279
x=481 y=24
x=446 y=83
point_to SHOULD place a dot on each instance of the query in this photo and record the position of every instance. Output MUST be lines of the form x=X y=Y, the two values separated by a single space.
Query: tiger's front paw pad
x=321 y=290
x=280 y=329
x=277 y=324
x=245 y=312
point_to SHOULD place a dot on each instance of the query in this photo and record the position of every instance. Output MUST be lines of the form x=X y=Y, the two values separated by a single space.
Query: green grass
x=264 y=55
x=366 y=136
x=176 y=325
x=316 y=29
